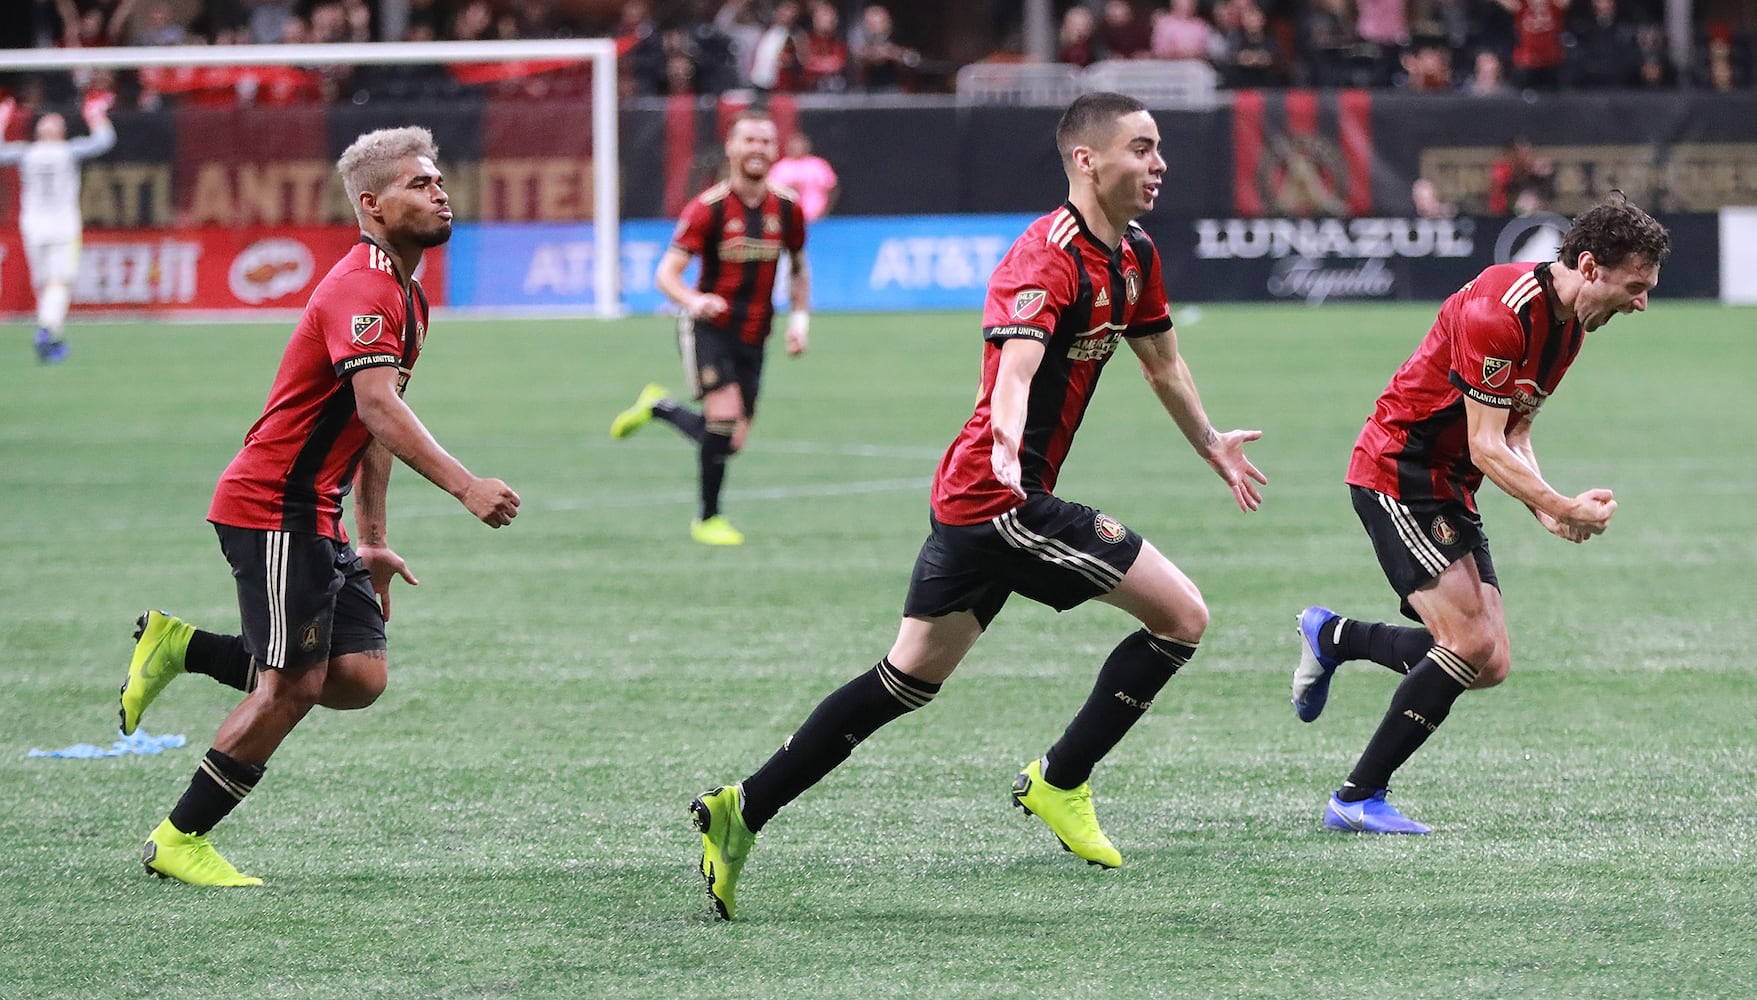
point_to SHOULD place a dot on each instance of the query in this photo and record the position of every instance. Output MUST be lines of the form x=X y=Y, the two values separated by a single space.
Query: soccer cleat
x=637 y=416
x=159 y=646
x=188 y=858
x=1311 y=679
x=726 y=842
x=716 y=530
x=57 y=352
x=1372 y=815
x=1068 y=813
x=44 y=344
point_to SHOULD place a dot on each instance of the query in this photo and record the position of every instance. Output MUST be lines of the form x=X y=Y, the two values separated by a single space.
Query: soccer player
x=1077 y=281
x=48 y=210
x=1461 y=408
x=313 y=607
x=739 y=228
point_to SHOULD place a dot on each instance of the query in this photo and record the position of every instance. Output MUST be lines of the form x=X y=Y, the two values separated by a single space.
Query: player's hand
x=1565 y=532
x=798 y=332
x=385 y=565
x=1005 y=461
x=1227 y=457
x=96 y=107
x=708 y=306
x=492 y=501
x=1591 y=513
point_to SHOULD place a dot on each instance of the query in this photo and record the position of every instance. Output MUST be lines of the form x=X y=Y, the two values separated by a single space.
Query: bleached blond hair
x=371 y=163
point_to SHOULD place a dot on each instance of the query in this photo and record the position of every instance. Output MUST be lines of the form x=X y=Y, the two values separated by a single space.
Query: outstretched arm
x=372 y=541
x=799 y=302
x=396 y=427
x=1172 y=382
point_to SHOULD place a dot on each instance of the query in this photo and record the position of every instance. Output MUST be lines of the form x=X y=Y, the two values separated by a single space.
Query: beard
x=434 y=237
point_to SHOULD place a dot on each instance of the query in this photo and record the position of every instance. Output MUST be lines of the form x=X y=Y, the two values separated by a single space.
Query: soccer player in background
x=48 y=209
x=739 y=228
x=1461 y=408
x=1079 y=279
x=313 y=606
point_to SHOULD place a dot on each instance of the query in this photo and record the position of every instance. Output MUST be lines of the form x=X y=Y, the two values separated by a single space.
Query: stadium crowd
x=673 y=47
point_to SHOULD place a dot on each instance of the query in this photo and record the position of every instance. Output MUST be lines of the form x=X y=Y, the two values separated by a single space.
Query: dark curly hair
x=1614 y=231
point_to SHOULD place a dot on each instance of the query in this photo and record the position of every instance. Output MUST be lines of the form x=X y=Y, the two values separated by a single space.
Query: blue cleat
x=1311 y=679
x=50 y=349
x=1373 y=815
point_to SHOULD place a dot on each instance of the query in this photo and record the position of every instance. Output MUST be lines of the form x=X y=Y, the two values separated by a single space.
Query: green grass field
x=509 y=819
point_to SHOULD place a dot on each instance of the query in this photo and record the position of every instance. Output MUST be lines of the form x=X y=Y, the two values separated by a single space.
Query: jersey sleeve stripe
x=1062 y=229
x=1521 y=291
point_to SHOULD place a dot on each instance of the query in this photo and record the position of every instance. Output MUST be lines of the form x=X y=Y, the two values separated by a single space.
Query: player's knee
x=1185 y=620
x=355 y=681
x=1473 y=647
x=1495 y=670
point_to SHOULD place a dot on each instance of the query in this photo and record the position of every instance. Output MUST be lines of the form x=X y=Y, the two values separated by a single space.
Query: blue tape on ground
x=142 y=743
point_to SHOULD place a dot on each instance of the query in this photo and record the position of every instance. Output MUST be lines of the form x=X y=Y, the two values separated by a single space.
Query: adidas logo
x=1102 y=300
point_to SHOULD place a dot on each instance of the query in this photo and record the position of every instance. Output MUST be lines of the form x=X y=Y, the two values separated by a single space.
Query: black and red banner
x=1302 y=153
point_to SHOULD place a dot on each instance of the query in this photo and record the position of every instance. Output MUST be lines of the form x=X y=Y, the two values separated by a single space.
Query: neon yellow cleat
x=726 y=842
x=1068 y=814
x=159 y=646
x=636 y=416
x=716 y=530
x=171 y=853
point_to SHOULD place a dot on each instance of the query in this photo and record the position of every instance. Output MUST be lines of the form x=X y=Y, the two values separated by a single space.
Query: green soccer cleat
x=1068 y=813
x=726 y=842
x=191 y=859
x=637 y=416
x=159 y=646
x=716 y=530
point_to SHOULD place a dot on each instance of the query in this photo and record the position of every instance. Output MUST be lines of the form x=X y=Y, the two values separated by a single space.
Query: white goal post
x=600 y=52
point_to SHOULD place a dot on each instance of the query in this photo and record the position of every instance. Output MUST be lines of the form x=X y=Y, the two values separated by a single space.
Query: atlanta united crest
x=1109 y=528
x=1495 y=372
x=1132 y=285
x=1443 y=531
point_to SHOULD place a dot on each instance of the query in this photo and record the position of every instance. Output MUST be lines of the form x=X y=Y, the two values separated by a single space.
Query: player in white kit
x=48 y=210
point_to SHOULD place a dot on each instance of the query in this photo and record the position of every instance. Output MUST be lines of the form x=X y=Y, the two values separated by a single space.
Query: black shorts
x=1417 y=539
x=302 y=598
x=1051 y=550
x=714 y=358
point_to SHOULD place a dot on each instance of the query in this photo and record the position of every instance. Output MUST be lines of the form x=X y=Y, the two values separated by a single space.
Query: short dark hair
x=1087 y=115
x=1614 y=231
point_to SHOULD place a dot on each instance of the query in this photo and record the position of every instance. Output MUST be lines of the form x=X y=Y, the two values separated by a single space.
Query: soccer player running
x=314 y=608
x=1079 y=279
x=48 y=209
x=1461 y=408
x=740 y=227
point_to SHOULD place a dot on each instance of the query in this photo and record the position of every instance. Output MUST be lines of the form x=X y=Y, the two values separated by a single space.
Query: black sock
x=688 y=422
x=1420 y=704
x=1398 y=647
x=222 y=657
x=220 y=783
x=850 y=714
x=1134 y=672
x=716 y=449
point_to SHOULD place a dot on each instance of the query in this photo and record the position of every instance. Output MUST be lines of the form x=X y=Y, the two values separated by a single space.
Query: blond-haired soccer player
x=313 y=605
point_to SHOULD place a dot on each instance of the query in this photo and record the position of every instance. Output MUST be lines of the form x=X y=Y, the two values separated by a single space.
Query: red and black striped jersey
x=300 y=457
x=740 y=246
x=1497 y=341
x=1063 y=287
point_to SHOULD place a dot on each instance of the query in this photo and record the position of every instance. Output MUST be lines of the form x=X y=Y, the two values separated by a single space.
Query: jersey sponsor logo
x=1495 y=372
x=1132 y=285
x=1527 y=396
x=1109 y=528
x=270 y=269
x=1443 y=531
x=367 y=330
x=1096 y=348
x=1029 y=303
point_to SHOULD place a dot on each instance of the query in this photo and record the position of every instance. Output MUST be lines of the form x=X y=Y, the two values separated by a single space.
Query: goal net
x=221 y=192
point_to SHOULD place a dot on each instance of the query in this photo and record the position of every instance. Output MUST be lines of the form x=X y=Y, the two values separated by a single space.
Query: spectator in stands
x=1723 y=65
x=50 y=23
x=1427 y=66
x=159 y=27
x=823 y=57
x=809 y=176
x=1604 y=52
x=1383 y=22
x=1487 y=78
x=1428 y=203
x=269 y=19
x=742 y=26
x=880 y=64
x=775 y=66
x=1538 y=53
x=1252 y=56
x=1078 y=44
x=1655 y=67
x=1520 y=181
x=1326 y=39
x=1125 y=34
x=1459 y=22
x=1180 y=32
x=534 y=19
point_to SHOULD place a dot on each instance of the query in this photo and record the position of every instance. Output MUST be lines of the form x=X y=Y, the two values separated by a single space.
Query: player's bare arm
x=396 y=427
x=1170 y=378
x=799 y=301
x=1584 y=515
x=1012 y=393
x=1520 y=441
x=371 y=530
x=669 y=279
